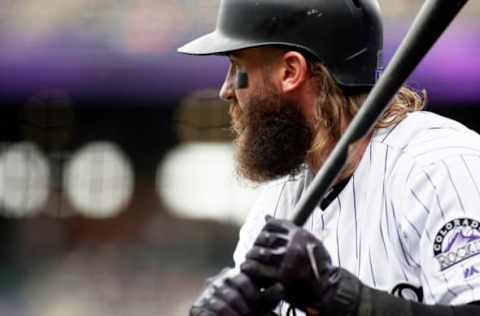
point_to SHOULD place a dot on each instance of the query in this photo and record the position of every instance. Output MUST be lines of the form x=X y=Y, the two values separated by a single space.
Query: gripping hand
x=235 y=296
x=294 y=257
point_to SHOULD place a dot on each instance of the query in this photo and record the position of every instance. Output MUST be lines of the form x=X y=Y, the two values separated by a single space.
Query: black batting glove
x=294 y=257
x=236 y=296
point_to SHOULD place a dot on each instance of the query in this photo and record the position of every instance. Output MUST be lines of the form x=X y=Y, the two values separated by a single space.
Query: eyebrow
x=234 y=56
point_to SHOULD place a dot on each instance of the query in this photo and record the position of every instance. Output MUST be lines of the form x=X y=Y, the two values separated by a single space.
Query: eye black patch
x=241 y=82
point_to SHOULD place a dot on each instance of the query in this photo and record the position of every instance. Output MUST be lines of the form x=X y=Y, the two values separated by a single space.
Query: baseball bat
x=430 y=23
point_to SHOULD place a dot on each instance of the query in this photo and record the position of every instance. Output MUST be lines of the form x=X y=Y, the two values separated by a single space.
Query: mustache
x=237 y=117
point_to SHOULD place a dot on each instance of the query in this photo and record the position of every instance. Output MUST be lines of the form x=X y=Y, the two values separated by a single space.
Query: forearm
x=378 y=303
x=347 y=296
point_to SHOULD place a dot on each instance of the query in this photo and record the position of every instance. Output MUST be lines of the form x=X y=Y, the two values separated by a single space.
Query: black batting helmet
x=345 y=35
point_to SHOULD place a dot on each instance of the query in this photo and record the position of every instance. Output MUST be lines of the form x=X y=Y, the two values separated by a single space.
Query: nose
x=227 y=92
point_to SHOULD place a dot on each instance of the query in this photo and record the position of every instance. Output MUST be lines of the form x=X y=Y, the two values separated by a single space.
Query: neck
x=316 y=158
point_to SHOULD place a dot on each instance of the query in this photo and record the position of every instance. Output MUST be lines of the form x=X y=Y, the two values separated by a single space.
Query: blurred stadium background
x=117 y=187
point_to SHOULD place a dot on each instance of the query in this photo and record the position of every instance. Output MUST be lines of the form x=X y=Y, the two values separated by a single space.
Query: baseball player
x=399 y=232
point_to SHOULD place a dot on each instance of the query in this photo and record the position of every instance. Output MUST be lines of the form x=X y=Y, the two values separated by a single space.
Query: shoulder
x=423 y=131
x=424 y=138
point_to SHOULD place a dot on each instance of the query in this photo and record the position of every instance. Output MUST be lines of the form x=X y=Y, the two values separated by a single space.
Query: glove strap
x=341 y=295
x=313 y=262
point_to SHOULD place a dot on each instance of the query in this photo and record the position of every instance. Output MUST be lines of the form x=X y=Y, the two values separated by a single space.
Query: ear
x=294 y=71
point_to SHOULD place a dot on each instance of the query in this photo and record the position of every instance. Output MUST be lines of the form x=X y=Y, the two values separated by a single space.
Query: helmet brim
x=215 y=43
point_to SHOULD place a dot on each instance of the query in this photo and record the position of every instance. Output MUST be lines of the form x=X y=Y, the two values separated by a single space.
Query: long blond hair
x=335 y=110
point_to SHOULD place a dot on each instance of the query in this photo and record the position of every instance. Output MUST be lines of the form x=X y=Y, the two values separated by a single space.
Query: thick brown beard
x=273 y=138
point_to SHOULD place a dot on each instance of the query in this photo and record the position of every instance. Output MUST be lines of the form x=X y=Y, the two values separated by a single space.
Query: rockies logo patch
x=456 y=241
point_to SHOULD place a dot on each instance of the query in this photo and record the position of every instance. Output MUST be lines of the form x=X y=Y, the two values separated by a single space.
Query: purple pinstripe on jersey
x=383 y=238
x=370 y=146
x=419 y=201
x=454 y=186
x=406 y=255
x=355 y=215
x=410 y=172
x=384 y=198
x=279 y=198
x=415 y=229
x=389 y=132
x=357 y=238
x=428 y=286
x=449 y=289
x=371 y=268
x=338 y=233
x=442 y=213
x=470 y=174
x=432 y=150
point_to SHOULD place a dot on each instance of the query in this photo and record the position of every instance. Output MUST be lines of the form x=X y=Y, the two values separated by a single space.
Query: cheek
x=241 y=97
x=237 y=120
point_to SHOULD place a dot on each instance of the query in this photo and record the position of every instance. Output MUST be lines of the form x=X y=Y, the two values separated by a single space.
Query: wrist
x=340 y=295
x=374 y=302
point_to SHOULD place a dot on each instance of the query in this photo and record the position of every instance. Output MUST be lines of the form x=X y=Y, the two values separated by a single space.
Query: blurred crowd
x=135 y=27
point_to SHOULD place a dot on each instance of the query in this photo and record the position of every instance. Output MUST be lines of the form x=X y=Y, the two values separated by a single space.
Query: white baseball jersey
x=408 y=220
